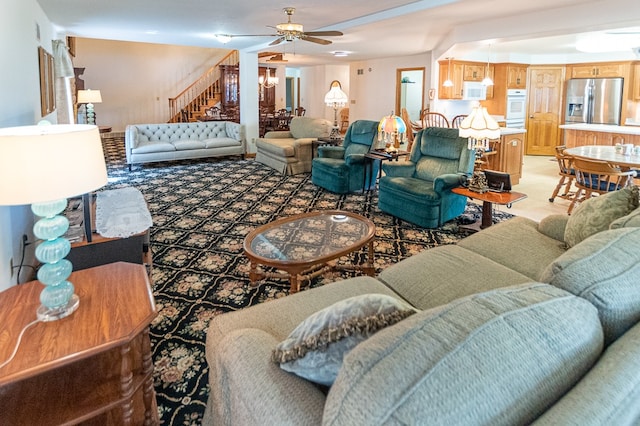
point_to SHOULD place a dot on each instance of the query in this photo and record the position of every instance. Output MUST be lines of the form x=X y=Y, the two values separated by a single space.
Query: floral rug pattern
x=201 y=211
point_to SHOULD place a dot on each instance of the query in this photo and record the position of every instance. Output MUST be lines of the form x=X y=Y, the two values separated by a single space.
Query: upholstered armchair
x=341 y=169
x=419 y=190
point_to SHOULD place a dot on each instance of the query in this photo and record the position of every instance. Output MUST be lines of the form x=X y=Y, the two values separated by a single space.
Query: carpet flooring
x=201 y=211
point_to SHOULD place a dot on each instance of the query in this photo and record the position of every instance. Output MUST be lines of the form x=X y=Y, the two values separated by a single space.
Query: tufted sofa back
x=171 y=132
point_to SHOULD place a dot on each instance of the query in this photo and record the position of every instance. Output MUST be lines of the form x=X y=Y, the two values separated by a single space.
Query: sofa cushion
x=500 y=357
x=517 y=244
x=628 y=221
x=149 y=147
x=281 y=147
x=315 y=348
x=309 y=127
x=604 y=270
x=188 y=144
x=597 y=213
x=220 y=142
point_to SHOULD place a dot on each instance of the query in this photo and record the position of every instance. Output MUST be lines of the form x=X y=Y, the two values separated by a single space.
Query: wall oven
x=516 y=108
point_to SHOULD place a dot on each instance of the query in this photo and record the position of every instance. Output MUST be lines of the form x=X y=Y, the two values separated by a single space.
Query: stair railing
x=190 y=100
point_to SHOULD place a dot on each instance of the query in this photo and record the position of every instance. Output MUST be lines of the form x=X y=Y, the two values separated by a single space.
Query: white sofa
x=145 y=143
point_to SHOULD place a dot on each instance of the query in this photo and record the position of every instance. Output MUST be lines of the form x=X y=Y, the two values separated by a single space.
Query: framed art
x=47 y=93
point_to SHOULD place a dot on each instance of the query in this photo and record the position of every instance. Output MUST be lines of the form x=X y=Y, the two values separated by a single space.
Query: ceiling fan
x=290 y=31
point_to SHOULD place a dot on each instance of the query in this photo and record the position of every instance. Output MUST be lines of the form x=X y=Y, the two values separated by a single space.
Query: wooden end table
x=306 y=245
x=94 y=365
x=488 y=199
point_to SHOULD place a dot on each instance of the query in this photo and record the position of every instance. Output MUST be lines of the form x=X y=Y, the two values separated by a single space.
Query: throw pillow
x=597 y=213
x=315 y=348
x=632 y=220
x=604 y=270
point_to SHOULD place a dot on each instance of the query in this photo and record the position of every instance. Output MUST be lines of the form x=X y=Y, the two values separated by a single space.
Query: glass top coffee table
x=307 y=245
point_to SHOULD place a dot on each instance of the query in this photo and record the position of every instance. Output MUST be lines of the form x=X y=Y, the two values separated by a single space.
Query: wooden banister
x=198 y=93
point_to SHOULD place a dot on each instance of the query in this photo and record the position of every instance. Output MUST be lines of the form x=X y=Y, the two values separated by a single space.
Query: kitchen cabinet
x=456 y=76
x=604 y=69
x=635 y=89
x=509 y=155
x=573 y=138
x=474 y=72
x=516 y=76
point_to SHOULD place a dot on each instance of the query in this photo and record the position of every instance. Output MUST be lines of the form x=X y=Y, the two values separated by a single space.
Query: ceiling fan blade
x=323 y=33
x=315 y=40
x=276 y=41
x=254 y=35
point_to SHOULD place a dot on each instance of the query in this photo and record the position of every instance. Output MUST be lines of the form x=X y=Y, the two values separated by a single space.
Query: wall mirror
x=410 y=91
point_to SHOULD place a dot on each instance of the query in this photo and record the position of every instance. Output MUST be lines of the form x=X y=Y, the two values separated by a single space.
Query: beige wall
x=137 y=79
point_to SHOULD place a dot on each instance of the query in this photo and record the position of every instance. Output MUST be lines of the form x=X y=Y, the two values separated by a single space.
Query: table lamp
x=392 y=130
x=479 y=127
x=90 y=97
x=42 y=166
x=336 y=99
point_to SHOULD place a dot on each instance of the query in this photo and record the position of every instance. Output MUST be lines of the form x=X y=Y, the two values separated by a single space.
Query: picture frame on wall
x=47 y=93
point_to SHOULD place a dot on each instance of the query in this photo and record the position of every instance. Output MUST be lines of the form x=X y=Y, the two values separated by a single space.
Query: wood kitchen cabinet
x=474 y=72
x=516 y=76
x=509 y=156
x=573 y=138
x=603 y=69
x=635 y=89
x=456 y=76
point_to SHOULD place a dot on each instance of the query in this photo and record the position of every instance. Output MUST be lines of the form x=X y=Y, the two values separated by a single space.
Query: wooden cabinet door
x=635 y=90
x=455 y=91
x=544 y=107
x=492 y=76
x=610 y=70
x=516 y=77
x=474 y=72
x=512 y=154
x=585 y=71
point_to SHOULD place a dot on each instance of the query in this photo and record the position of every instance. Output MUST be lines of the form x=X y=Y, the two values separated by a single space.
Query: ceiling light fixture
x=223 y=38
x=267 y=81
x=487 y=80
x=340 y=54
x=448 y=82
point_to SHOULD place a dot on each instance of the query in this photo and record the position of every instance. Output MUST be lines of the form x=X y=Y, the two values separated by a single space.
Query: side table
x=92 y=365
x=488 y=199
x=380 y=156
x=322 y=142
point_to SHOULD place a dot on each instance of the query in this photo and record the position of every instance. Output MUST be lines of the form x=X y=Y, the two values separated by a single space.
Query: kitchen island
x=582 y=134
x=509 y=153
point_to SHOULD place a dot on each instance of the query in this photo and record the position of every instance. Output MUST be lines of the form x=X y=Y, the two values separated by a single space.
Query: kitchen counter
x=606 y=128
x=511 y=131
x=581 y=134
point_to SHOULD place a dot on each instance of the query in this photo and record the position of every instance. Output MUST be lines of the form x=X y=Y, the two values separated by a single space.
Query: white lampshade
x=479 y=125
x=89 y=96
x=335 y=97
x=50 y=162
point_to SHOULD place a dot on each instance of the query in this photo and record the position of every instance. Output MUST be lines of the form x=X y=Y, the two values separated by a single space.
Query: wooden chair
x=344 y=120
x=184 y=116
x=300 y=111
x=455 y=122
x=412 y=127
x=434 y=119
x=567 y=175
x=212 y=112
x=598 y=177
x=283 y=118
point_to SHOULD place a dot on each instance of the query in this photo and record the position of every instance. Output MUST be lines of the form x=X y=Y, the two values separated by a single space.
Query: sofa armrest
x=398 y=169
x=331 y=152
x=278 y=134
x=448 y=181
x=247 y=375
x=553 y=226
x=235 y=130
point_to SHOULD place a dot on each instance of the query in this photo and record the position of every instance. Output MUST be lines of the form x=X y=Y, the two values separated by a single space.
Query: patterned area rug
x=201 y=211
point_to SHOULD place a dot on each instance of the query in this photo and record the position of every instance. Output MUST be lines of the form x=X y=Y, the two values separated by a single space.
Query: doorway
x=292 y=95
x=410 y=91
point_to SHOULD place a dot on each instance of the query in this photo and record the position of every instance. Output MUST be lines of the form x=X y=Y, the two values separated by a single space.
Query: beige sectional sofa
x=512 y=327
x=290 y=152
x=145 y=143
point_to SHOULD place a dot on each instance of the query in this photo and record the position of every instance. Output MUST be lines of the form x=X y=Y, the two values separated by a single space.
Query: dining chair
x=434 y=119
x=412 y=127
x=300 y=111
x=598 y=177
x=455 y=121
x=567 y=175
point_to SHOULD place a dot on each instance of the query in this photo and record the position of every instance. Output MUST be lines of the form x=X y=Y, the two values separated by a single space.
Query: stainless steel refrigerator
x=594 y=100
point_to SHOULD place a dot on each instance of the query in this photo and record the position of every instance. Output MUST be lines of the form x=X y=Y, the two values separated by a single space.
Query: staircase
x=203 y=93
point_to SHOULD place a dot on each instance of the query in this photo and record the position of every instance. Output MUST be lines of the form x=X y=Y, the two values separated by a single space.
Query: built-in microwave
x=474 y=91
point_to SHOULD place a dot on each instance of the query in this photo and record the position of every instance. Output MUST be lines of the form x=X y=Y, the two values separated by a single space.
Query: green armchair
x=341 y=169
x=419 y=190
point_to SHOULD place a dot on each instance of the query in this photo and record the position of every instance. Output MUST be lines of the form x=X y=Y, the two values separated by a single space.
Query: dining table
x=607 y=153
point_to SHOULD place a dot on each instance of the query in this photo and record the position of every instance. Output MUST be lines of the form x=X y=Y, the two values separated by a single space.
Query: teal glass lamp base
x=57 y=298
x=51 y=314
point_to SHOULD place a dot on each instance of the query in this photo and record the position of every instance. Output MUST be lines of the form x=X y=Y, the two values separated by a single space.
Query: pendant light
x=448 y=82
x=487 y=80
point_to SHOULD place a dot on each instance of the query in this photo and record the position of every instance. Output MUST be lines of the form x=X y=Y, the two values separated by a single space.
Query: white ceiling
x=540 y=31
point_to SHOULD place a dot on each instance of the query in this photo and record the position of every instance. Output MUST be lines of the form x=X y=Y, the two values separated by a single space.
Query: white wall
x=137 y=79
x=20 y=88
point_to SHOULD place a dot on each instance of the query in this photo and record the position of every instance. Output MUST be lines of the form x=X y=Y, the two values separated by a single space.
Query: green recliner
x=419 y=190
x=341 y=169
